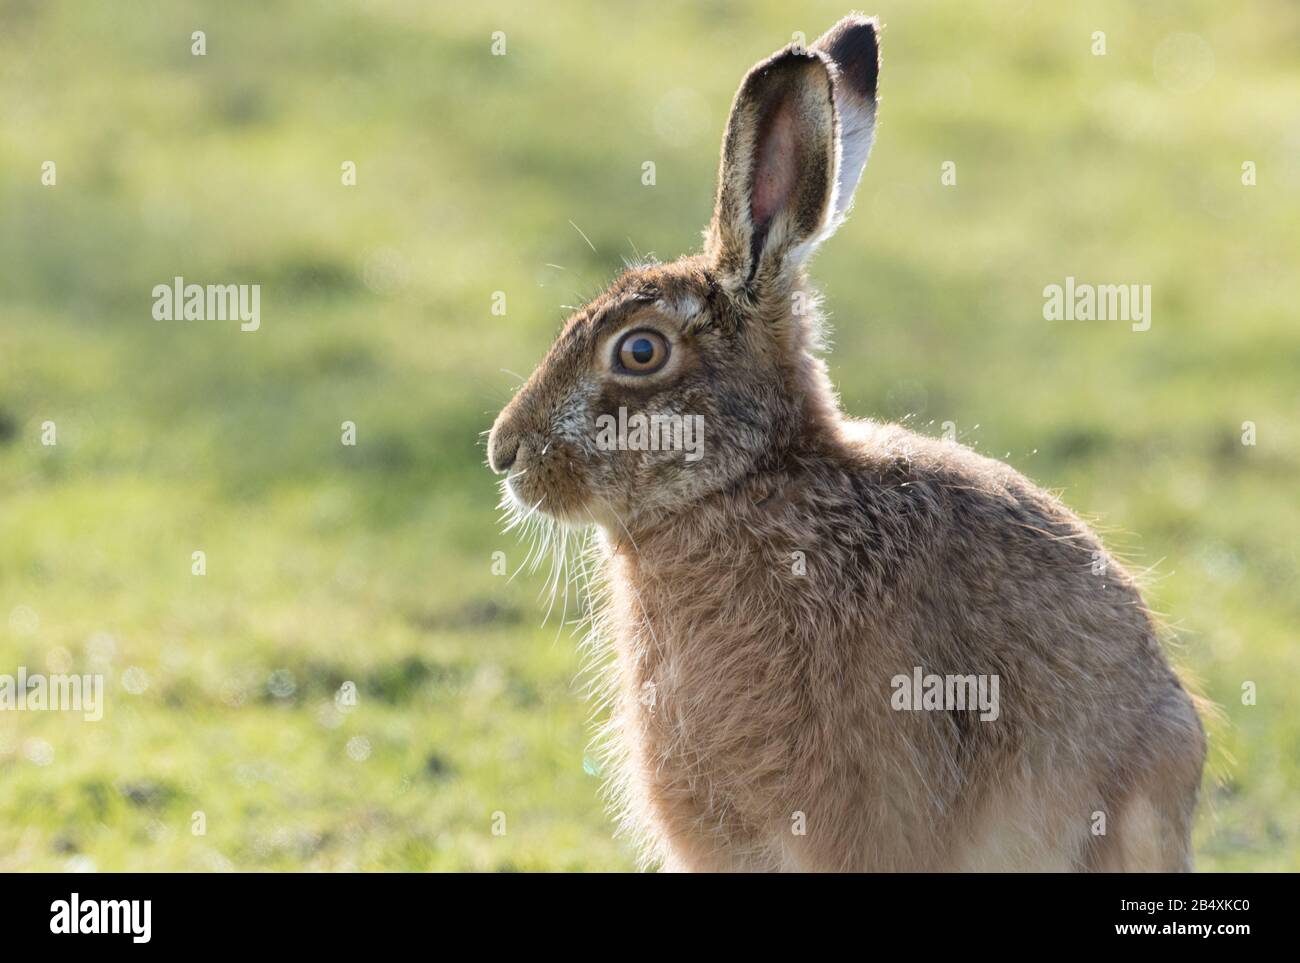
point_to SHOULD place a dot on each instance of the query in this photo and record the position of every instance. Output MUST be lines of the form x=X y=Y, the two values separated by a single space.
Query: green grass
x=372 y=564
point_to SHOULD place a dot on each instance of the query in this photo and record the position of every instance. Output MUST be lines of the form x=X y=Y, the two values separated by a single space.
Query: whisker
x=584 y=237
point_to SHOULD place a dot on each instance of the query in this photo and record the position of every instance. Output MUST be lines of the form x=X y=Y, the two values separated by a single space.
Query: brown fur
x=749 y=699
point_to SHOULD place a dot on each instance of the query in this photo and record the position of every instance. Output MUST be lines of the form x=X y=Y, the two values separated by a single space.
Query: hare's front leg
x=1151 y=828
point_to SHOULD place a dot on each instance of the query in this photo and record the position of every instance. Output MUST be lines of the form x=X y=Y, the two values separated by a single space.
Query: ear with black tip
x=776 y=186
x=853 y=45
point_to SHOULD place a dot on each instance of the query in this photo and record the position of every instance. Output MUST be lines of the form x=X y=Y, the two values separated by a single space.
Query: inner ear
x=792 y=179
x=779 y=157
x=776 y=168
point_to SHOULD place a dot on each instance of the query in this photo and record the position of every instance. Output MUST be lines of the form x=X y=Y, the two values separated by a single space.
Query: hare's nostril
x=503 y=454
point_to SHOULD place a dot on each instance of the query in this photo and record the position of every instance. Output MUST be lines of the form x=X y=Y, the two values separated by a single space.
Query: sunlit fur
x=747 y=698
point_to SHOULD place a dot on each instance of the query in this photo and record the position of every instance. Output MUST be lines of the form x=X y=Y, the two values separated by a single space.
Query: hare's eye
x=641 y=352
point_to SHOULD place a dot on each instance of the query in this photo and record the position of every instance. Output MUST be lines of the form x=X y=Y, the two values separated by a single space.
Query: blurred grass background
x=373 y=564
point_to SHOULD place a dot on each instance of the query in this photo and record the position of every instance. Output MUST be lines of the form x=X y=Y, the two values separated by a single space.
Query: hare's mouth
x=538 y=489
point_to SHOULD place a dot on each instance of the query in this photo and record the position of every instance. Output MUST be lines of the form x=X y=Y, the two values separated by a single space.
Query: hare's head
x=681 y=379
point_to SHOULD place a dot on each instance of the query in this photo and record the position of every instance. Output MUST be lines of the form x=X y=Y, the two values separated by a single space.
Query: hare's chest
x=708 y=739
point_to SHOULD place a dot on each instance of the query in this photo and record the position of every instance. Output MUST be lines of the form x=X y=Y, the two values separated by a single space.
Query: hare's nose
x=503 y=446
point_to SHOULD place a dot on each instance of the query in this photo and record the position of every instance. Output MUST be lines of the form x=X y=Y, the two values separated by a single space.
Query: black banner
x=269 y=911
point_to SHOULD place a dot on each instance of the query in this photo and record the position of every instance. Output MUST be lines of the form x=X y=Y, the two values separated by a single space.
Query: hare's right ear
x=853 y=45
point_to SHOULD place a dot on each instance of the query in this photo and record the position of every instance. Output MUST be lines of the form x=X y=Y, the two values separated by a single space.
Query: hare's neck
x=707 y=653
x=705 y=571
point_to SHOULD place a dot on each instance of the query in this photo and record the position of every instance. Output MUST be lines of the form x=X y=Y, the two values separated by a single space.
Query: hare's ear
x=853 y=45
x=776 y=188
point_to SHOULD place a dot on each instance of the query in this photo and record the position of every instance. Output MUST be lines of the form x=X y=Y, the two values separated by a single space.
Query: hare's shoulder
x=956 y=485
x=891 y=451
x=982 y=536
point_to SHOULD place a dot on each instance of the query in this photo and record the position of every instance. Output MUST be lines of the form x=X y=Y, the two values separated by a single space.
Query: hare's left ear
x=777 y=182
x=783 y=187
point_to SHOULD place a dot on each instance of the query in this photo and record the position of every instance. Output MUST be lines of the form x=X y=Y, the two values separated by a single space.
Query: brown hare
x=803 y=610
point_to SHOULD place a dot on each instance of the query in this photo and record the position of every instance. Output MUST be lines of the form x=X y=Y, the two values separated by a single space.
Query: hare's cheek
x=571 y=425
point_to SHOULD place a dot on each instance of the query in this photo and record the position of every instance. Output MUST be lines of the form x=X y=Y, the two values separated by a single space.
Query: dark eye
x=642 y=352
